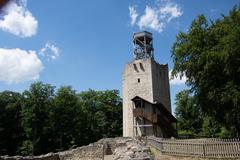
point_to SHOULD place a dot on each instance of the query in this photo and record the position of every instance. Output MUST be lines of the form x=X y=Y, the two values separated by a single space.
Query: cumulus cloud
x=133 y=14
x=18 y=20
x=156 y=17
x=150 y=19
x=170 y=11
x=50 y=51
x=177 y=80
x=19 y=65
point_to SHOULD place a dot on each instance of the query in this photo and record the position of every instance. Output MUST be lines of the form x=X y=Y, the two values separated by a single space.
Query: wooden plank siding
x=139 y=112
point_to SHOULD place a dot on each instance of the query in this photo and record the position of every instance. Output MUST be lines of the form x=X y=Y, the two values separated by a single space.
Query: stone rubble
x=134 y=149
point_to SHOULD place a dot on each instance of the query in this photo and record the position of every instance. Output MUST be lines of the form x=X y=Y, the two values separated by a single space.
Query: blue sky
x=86 y=44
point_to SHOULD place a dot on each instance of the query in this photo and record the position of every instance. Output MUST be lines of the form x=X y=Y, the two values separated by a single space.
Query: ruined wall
x=120 y=148
x=93 y=151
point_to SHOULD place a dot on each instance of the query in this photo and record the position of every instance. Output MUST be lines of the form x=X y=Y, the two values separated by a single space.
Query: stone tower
x=146 y=80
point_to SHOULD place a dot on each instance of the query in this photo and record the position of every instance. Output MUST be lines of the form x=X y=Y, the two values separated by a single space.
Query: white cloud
x=177 y=80
x=19 y=65
x=156 y=17
x=150 y=19
x=170 y=11
x=18 y=20
x=50 y=51
x=133 y=14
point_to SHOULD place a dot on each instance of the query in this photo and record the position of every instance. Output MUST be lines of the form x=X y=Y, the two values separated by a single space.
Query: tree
x=66 y=118
x=36 y=120
x=103 y=114
x=10 y=122
x=188 y=113
x=211 y=127
x=209 y=55
x=40 y=121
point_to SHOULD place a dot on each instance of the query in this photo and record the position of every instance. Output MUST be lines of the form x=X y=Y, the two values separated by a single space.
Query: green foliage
x=188 y=113
x=210 y=127
x=209 y=55
x=66 y=117
x=36 y=112
x=224 y=133
x=10 y=126
x=26 y=148
x=42 y=120
x=103 y=110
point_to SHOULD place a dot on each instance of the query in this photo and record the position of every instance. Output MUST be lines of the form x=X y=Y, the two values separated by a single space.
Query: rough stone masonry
x=119 y=149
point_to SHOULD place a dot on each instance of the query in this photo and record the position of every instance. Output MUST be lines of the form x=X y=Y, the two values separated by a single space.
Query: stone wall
x=49 y=156
x=93 y=151
x=121 y=148
x=110 y=144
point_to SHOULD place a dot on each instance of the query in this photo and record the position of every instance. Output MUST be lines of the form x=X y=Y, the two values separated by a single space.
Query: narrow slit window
x=135 y=67
x=138 y=80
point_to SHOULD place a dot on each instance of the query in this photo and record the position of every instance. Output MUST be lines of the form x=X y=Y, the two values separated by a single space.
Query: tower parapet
x=143 y=45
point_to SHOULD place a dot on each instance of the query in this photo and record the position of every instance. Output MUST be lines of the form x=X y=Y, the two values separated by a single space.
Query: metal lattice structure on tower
x=143 y=45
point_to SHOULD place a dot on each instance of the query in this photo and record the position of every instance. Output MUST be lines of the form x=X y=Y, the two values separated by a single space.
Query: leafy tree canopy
x=188 y=113
x=42 y=120
x=209 y=55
